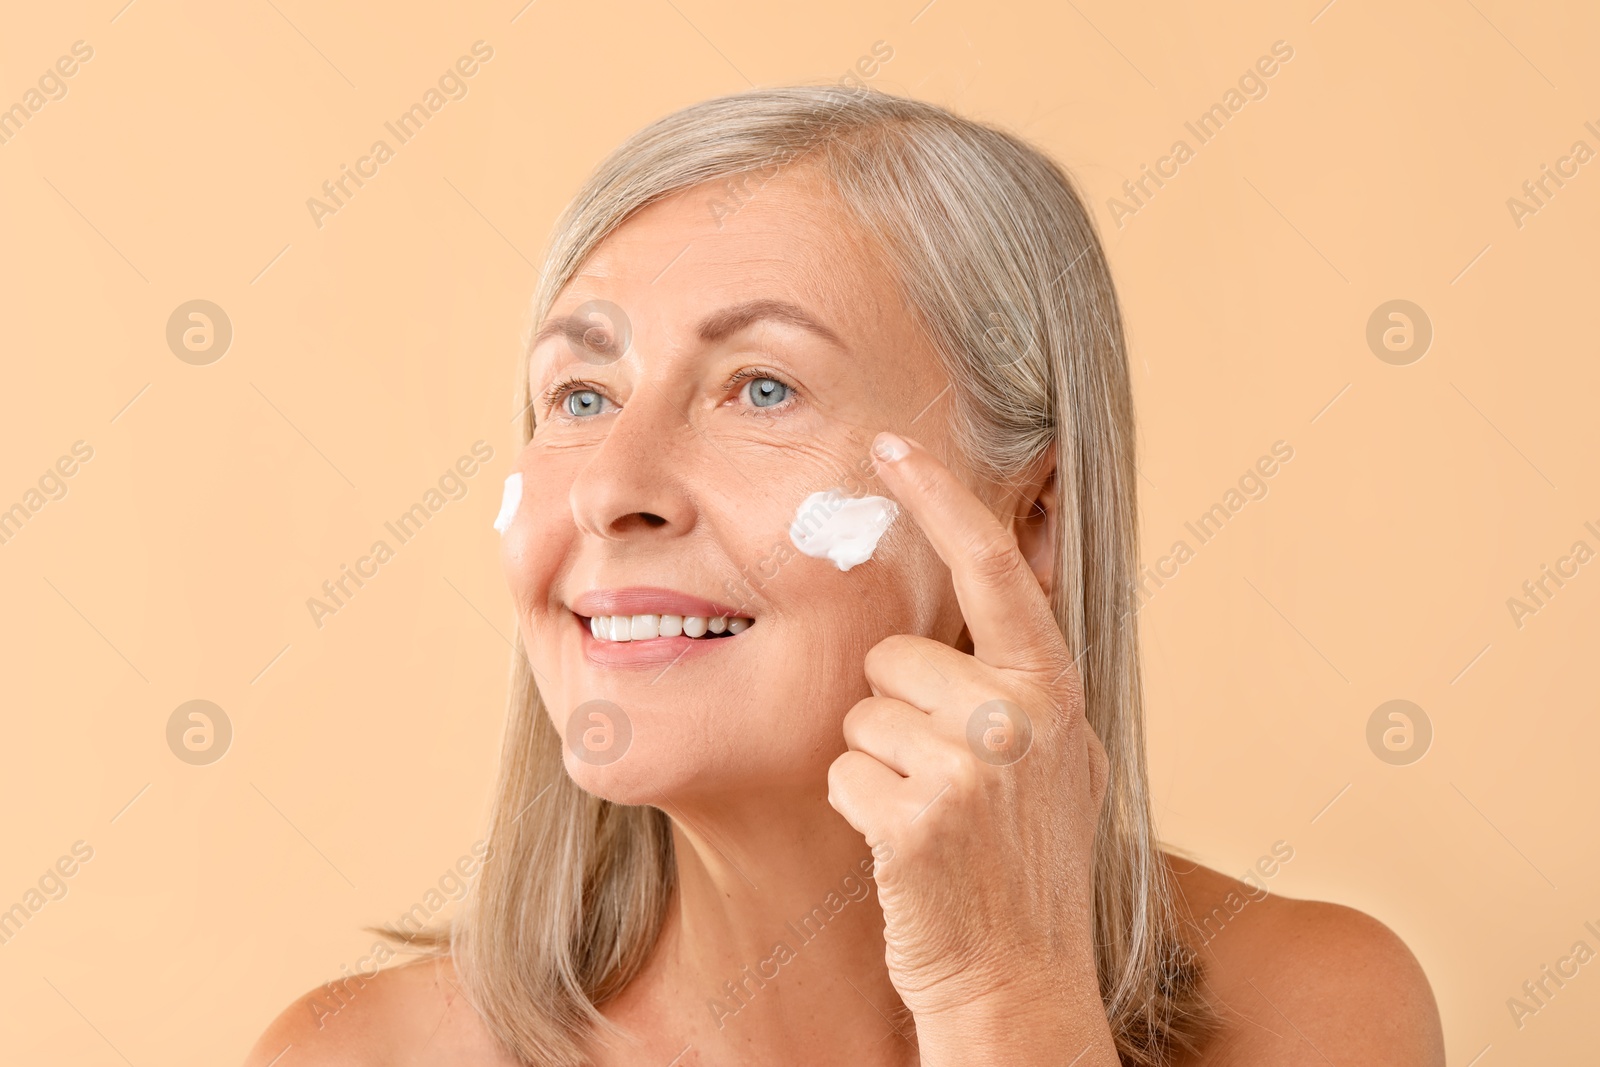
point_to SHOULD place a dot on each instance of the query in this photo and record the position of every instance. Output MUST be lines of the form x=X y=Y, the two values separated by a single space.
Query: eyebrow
x=730 y=320
x=717 y=326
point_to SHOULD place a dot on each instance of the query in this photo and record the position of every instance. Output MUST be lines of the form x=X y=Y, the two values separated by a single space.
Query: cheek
x=905 y=588
x=532 y=547
x=519 y=559
x=815 y=673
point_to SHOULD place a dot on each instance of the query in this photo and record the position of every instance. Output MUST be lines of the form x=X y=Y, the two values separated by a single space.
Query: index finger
x=1000 y=597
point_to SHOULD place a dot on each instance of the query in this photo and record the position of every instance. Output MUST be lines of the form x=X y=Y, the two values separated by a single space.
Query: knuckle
x=1068 y=683
x=922 y=479
x=862 y=714
x=835 y=780
x=893 y=647
x=1101 y=764
x=842 y=772
x=1099 y=761
x=963 y=775
x=916 y=847
x=889 y=655
x=992 y=556
x=951 y=763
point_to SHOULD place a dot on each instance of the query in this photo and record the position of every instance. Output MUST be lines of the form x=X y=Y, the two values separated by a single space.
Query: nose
x=633 y=484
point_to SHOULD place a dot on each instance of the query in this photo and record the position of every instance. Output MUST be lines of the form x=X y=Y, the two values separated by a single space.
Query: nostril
x=635 y=523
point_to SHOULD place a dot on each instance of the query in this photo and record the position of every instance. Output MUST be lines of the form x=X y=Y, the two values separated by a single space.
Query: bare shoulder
x=414 y=1012
x=1304 y=981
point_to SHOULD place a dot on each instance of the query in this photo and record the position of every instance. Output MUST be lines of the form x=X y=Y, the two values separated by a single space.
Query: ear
x=1034 y=526
x=1038 y=523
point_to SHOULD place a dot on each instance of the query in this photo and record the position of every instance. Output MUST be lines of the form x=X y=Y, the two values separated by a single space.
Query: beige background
x=370 y=353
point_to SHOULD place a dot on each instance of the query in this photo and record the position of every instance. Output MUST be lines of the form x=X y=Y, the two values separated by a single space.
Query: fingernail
x=888 y=448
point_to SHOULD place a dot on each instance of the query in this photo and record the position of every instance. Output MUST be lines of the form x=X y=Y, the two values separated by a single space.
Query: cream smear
x=510 y=500
x=830 y=525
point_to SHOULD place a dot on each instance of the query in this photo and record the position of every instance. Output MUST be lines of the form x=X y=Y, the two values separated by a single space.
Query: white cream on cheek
x=846 y=530
x=510 y=500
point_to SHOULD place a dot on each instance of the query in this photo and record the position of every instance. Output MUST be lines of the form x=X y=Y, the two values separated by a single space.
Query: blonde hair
x=1002 y=267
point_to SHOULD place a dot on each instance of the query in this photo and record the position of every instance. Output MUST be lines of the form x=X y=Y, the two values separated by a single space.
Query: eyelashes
x=750 y=374
x=556 y=394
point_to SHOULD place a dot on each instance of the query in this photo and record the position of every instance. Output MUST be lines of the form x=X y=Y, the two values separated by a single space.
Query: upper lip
x=650 y=600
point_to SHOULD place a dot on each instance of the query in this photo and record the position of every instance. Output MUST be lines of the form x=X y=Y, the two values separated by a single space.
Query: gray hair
x=1002 y=267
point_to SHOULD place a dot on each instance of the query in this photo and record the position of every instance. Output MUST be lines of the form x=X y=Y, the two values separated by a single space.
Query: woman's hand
x=977 y=782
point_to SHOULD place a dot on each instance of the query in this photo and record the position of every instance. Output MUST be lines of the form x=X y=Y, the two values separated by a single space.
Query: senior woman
x=763 y=800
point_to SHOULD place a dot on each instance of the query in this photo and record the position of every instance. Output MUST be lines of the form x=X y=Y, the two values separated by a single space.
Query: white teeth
x=647 y=627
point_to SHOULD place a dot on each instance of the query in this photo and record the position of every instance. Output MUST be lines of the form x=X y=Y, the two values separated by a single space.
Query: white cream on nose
x=510 y=500
x=830 y=525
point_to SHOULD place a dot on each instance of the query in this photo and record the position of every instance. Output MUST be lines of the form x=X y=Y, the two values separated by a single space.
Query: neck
x=773 y=948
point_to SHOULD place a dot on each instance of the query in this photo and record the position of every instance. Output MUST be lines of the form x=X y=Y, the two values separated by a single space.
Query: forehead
x=784 y=236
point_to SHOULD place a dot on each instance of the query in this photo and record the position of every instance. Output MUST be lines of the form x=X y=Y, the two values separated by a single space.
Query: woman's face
x=666 y=474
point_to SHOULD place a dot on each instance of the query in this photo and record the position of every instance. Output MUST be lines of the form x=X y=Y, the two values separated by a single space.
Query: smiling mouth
x=620 y=629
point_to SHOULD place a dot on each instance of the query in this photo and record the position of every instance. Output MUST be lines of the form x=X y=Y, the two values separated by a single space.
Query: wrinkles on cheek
x=556 y=440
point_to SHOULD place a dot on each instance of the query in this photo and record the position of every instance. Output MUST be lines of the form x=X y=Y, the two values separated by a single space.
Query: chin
x=659 y=778
x=681 y=750
x=630 y=785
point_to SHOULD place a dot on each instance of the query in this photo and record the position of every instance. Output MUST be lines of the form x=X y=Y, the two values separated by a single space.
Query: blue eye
x=581 y=402
x=767 y=392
